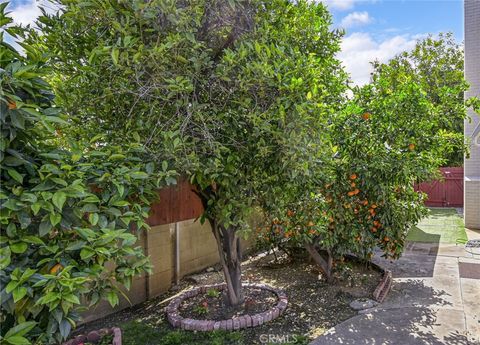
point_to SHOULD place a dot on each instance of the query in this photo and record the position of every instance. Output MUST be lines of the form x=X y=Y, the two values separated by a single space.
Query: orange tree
x=235 y=93
x=362 y=197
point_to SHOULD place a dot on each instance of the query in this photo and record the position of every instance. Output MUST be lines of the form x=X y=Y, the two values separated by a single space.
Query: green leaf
x=86 y=253
x=55 y=218
x=44 y=228
x=112 y=298
x=75 y=245
x=15 y=175
x=17 y=340
x=5 y=257
x=115 y=53
x=33 y=240
x=20 y=329
x=59 y=199
x=139 y=175
x=65 y=328
x=93 y=218
x=72 y=298
x=19 y=293
x=36 y=208
x=19 y=247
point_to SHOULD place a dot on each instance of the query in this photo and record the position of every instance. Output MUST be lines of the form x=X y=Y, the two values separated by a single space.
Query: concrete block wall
x=472 y=125
x=198 y=251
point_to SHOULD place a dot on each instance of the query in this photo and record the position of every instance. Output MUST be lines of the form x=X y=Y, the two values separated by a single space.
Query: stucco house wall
x=472 y=125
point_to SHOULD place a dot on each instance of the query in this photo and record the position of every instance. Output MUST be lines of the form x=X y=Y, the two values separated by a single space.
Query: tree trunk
x=230 y=253
x=324 y=265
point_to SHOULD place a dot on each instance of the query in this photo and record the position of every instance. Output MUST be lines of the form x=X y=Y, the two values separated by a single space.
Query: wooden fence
x=447 y=192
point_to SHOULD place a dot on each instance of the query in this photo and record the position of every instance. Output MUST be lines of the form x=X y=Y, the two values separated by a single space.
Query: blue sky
x=375 y=29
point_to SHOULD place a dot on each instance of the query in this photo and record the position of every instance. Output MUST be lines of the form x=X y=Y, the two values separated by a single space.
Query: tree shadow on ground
x=418 y=319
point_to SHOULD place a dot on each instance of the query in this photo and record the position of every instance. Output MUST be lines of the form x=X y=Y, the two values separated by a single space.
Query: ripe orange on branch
x=56 y=268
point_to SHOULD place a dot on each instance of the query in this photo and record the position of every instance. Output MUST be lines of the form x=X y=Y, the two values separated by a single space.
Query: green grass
x=443 y=225
x=140 y=333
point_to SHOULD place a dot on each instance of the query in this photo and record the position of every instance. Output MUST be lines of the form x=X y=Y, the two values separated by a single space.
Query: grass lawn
x=443 y=225
x=135 y=332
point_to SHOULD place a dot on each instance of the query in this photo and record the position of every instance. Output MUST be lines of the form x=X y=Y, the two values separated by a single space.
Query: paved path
x=430 y=303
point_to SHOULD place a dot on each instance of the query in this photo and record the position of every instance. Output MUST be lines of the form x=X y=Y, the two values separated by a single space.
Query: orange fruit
x=411 y=147
x=386 y=239
x=56 y=268
x=356 y=191
x=290 y=213
x=376 y=223
x=353 y=184
x=11 y=105
x=311 y=232
x=310 y=223
x=373 y=206
x=353 y=176
x=366 y=116
x=365 y=203
x=351 y=193
x=374 y=229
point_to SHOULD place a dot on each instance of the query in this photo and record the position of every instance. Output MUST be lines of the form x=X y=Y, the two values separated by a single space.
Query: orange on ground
x=353 y=176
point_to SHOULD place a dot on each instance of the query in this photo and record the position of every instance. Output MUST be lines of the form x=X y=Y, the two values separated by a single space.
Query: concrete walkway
x=431 y=302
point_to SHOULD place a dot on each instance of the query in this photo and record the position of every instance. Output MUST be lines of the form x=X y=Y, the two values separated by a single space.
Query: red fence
x=447 y=192
x=176 y=203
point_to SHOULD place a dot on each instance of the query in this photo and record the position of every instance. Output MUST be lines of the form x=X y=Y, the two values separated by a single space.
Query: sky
x=375 y=29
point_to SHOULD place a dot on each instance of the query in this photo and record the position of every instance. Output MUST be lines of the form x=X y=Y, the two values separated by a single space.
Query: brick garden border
x=95 y=336
x=235 y=323
x=385 y=284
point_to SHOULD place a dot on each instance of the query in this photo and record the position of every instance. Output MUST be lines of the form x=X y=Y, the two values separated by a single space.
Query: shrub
x=69 y=211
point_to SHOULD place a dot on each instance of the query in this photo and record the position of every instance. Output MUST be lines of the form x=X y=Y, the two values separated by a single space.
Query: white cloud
x=341 y=5
x=356 y=19
x=359 y=49
x=27 y=12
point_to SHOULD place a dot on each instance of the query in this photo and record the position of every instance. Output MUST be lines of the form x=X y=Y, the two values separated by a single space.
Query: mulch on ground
x=313 y=305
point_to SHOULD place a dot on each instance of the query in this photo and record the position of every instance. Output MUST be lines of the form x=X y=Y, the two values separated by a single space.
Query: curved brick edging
x=95 y=336
x=383 y=286
x=235 y=323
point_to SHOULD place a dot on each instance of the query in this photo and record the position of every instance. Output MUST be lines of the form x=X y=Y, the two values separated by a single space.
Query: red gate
x=447 y=192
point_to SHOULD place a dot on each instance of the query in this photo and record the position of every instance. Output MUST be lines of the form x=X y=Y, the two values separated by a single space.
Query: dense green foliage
x=67 y=208
x=245 y=99
x=435 y=64
x=395 y=132
x=235 y=92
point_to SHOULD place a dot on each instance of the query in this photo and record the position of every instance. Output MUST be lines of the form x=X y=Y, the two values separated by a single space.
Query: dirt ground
x=313 y=305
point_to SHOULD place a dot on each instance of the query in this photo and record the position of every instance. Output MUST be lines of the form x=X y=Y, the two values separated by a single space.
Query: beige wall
x=197 y=251
x=472 y=123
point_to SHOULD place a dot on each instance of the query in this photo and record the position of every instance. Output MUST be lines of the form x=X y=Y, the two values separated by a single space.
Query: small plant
x=213 y=293
x=201 y=309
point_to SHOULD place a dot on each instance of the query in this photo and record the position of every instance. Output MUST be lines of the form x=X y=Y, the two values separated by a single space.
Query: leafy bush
x=67 y=211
